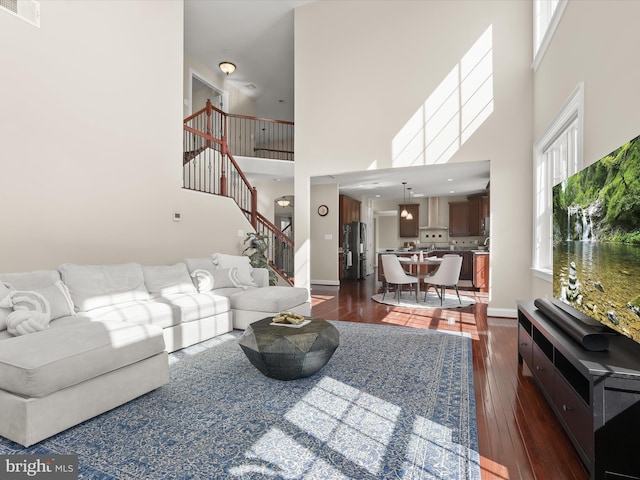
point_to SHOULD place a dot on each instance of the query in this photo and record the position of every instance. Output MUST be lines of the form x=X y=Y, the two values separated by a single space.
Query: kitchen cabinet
x=409 y=228
x=466 y=271
x=458 y=219
x=475 y=219
x=349 y=210
x=467 y=219
x=481 y=271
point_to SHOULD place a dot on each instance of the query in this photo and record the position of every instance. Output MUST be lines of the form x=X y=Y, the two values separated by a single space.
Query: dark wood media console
x=595 y=395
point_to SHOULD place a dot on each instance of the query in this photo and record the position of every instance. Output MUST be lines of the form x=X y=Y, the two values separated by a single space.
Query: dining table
x=428 y=262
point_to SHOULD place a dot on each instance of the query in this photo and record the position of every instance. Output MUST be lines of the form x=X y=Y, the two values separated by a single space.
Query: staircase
x=209 y=167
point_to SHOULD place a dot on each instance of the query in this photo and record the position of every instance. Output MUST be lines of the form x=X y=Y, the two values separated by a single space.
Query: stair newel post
x=225 y=158
x=254 y=207
x=208 y=130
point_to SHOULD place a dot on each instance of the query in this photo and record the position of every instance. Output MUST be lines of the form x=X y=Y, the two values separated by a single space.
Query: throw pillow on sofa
x=241 y=262
x=207 y=280
x=44 y=282
x=5 y=289
x=31 y=312
x=57 y=295
x=167 y=279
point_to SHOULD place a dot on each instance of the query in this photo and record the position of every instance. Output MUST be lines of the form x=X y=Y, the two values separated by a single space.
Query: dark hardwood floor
x=519 y=437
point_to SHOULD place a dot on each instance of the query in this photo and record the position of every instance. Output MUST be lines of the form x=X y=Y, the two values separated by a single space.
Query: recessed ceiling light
x=449 y=179
x=452 y=191
x=378 y=196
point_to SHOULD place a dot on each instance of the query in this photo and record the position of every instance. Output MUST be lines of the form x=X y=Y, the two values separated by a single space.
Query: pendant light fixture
x=409 y=215
x=404 y=212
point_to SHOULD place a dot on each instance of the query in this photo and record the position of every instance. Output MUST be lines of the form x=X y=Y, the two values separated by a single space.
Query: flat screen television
x=596 y=241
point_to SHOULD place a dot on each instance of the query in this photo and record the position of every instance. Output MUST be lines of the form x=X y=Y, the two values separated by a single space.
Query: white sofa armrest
x=260 y=276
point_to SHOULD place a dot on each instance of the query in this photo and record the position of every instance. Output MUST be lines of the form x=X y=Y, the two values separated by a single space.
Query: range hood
x=434 y=234
x=433 y=205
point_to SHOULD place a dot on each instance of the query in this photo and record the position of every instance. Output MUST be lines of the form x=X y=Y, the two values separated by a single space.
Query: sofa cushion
x=201 y=263
x=228 y=292
x=241 y=262
x=150 y=312
x=195 y=306
x=59 y=322
x=269 y=299
x=95 y=286
x=30 y=280
x=45 y=362
x=167 y=279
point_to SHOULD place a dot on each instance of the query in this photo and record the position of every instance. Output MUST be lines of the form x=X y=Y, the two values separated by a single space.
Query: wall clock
x=323 y=210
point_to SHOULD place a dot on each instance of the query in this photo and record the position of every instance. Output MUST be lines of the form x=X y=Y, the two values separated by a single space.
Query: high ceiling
x=258 y=36
x=255 y=35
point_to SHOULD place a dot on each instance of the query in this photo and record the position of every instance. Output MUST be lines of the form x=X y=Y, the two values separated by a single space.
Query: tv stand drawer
x=576 y=415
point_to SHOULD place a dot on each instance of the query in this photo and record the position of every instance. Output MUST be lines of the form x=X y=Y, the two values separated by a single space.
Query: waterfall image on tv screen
x=596 y=240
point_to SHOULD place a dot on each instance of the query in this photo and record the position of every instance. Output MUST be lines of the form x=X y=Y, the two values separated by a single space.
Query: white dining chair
x=447 y=275
x=394 y=274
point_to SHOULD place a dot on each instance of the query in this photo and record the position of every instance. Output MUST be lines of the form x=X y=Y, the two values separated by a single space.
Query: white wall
x=324 y=259
x=90 y=157
x=350 y=105
x=596 y=43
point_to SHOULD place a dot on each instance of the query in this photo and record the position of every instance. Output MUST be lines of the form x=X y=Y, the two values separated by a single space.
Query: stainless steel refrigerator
x=354 y=247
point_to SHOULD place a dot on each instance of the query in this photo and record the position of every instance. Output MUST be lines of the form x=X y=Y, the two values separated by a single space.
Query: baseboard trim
x=333 y=283
x=502 y=312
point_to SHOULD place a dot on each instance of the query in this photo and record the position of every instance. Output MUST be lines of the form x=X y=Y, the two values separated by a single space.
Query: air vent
x=27 y=10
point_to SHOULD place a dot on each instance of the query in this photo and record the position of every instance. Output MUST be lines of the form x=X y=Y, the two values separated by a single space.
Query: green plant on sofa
x=256 y=251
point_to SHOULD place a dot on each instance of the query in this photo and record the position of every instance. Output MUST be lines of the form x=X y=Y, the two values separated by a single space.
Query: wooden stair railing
x=209 y=167
x=281 y=251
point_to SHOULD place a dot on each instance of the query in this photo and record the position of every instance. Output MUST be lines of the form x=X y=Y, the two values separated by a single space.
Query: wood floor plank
x=518 y=435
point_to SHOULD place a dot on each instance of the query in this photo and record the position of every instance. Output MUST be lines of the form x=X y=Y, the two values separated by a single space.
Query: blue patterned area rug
x=392 y=403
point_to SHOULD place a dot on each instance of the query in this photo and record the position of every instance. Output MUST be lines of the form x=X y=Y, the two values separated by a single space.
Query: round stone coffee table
x=287 y=353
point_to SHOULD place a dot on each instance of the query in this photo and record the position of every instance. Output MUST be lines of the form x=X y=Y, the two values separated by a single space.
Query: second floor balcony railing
x=259 y=137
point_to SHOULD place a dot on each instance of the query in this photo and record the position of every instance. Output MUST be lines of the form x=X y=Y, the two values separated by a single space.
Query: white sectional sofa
x=83 y=339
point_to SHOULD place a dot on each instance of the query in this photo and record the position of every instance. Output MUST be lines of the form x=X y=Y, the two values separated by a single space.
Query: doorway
x=201 y=90
x=283 y=220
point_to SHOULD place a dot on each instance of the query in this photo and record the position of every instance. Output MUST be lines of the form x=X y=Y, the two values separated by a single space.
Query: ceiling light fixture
x=404 y=212
x=409 y=215
x=283 y=202
x=227 y=67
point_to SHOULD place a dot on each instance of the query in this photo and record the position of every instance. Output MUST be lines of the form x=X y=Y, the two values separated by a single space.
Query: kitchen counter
x=428 y=251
